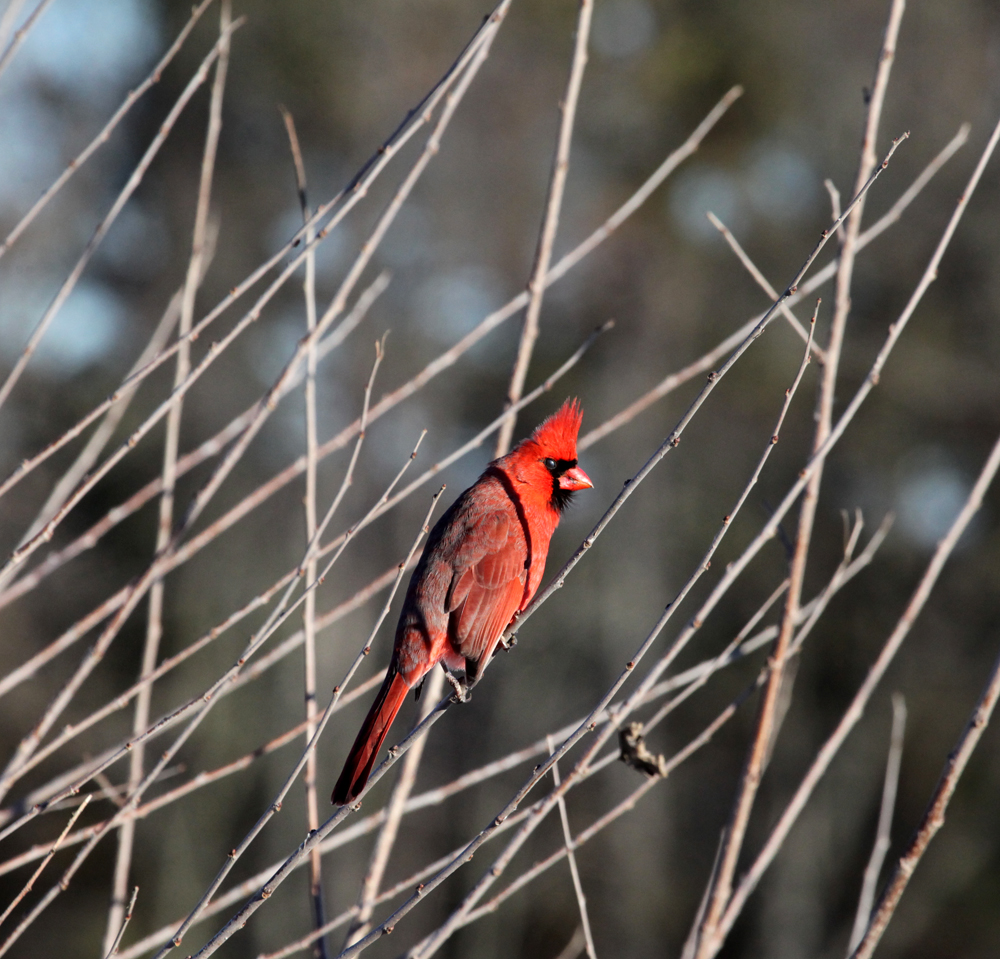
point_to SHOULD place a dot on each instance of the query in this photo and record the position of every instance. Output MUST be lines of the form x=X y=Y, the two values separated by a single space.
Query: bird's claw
x=462 y=694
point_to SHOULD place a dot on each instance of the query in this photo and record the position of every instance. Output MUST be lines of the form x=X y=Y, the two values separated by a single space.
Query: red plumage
x=483 y=563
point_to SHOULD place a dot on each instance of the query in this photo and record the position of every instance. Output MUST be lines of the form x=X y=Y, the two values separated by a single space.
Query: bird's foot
x=462 y=694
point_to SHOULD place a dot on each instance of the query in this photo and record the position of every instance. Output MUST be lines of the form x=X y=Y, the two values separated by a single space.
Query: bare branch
x=133 y=182
x=856 y=709
x=102 y=137
x=53 y=849
x=113 y=951
x=883 y=833
x=934 y=817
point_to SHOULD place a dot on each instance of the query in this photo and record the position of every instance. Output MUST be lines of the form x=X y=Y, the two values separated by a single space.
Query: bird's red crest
x=557 y=434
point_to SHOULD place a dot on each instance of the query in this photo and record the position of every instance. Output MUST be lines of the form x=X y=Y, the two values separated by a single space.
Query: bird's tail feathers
x=375 y=728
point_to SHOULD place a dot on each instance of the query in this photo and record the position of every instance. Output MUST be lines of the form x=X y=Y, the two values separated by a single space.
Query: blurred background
x=461 y=247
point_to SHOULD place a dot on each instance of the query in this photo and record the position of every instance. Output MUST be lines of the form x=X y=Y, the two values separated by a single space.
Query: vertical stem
x=309 y=607
x=883 y=833
x=852 y=716
x=154 y=622
x=547 y=236
x=710 y=939
x=581 y=899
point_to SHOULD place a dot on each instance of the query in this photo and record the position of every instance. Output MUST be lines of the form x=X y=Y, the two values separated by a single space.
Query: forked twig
x=856 y=709
x=570 y=847
x=883 y=833
x=708 y=360
x=934 y=817
x=762 y=280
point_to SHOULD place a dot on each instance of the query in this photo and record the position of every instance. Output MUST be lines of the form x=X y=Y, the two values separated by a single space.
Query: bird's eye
x=550 y=464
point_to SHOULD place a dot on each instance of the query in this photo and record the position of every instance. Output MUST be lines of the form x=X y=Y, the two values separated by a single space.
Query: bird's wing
x=487 y=584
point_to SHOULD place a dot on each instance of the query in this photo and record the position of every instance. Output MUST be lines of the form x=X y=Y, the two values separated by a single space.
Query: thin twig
x=21 y=34
x=102 y=228
x=746 y=792
x=117 y=919
x=53 y=849
x=7 y=21
x=102 y=137
x=550 y=223
x=309 y=608
x=856 y=709
x=883 y=834
x=570 y=847
x=934 y=817
x=113 y=951
x=394 y=812
x=762 y=280
x=831 y=189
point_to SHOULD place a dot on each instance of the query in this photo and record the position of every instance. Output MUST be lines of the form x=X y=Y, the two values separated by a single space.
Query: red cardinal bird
x=482 y=564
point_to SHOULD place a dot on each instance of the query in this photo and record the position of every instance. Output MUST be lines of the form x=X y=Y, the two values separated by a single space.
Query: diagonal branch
x=856 y=709
x=708 y=940
x=117 y=917
x=102 y=228
x=934 y=817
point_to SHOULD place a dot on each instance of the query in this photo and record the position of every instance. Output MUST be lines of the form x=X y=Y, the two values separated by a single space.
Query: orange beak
x=575 y=479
